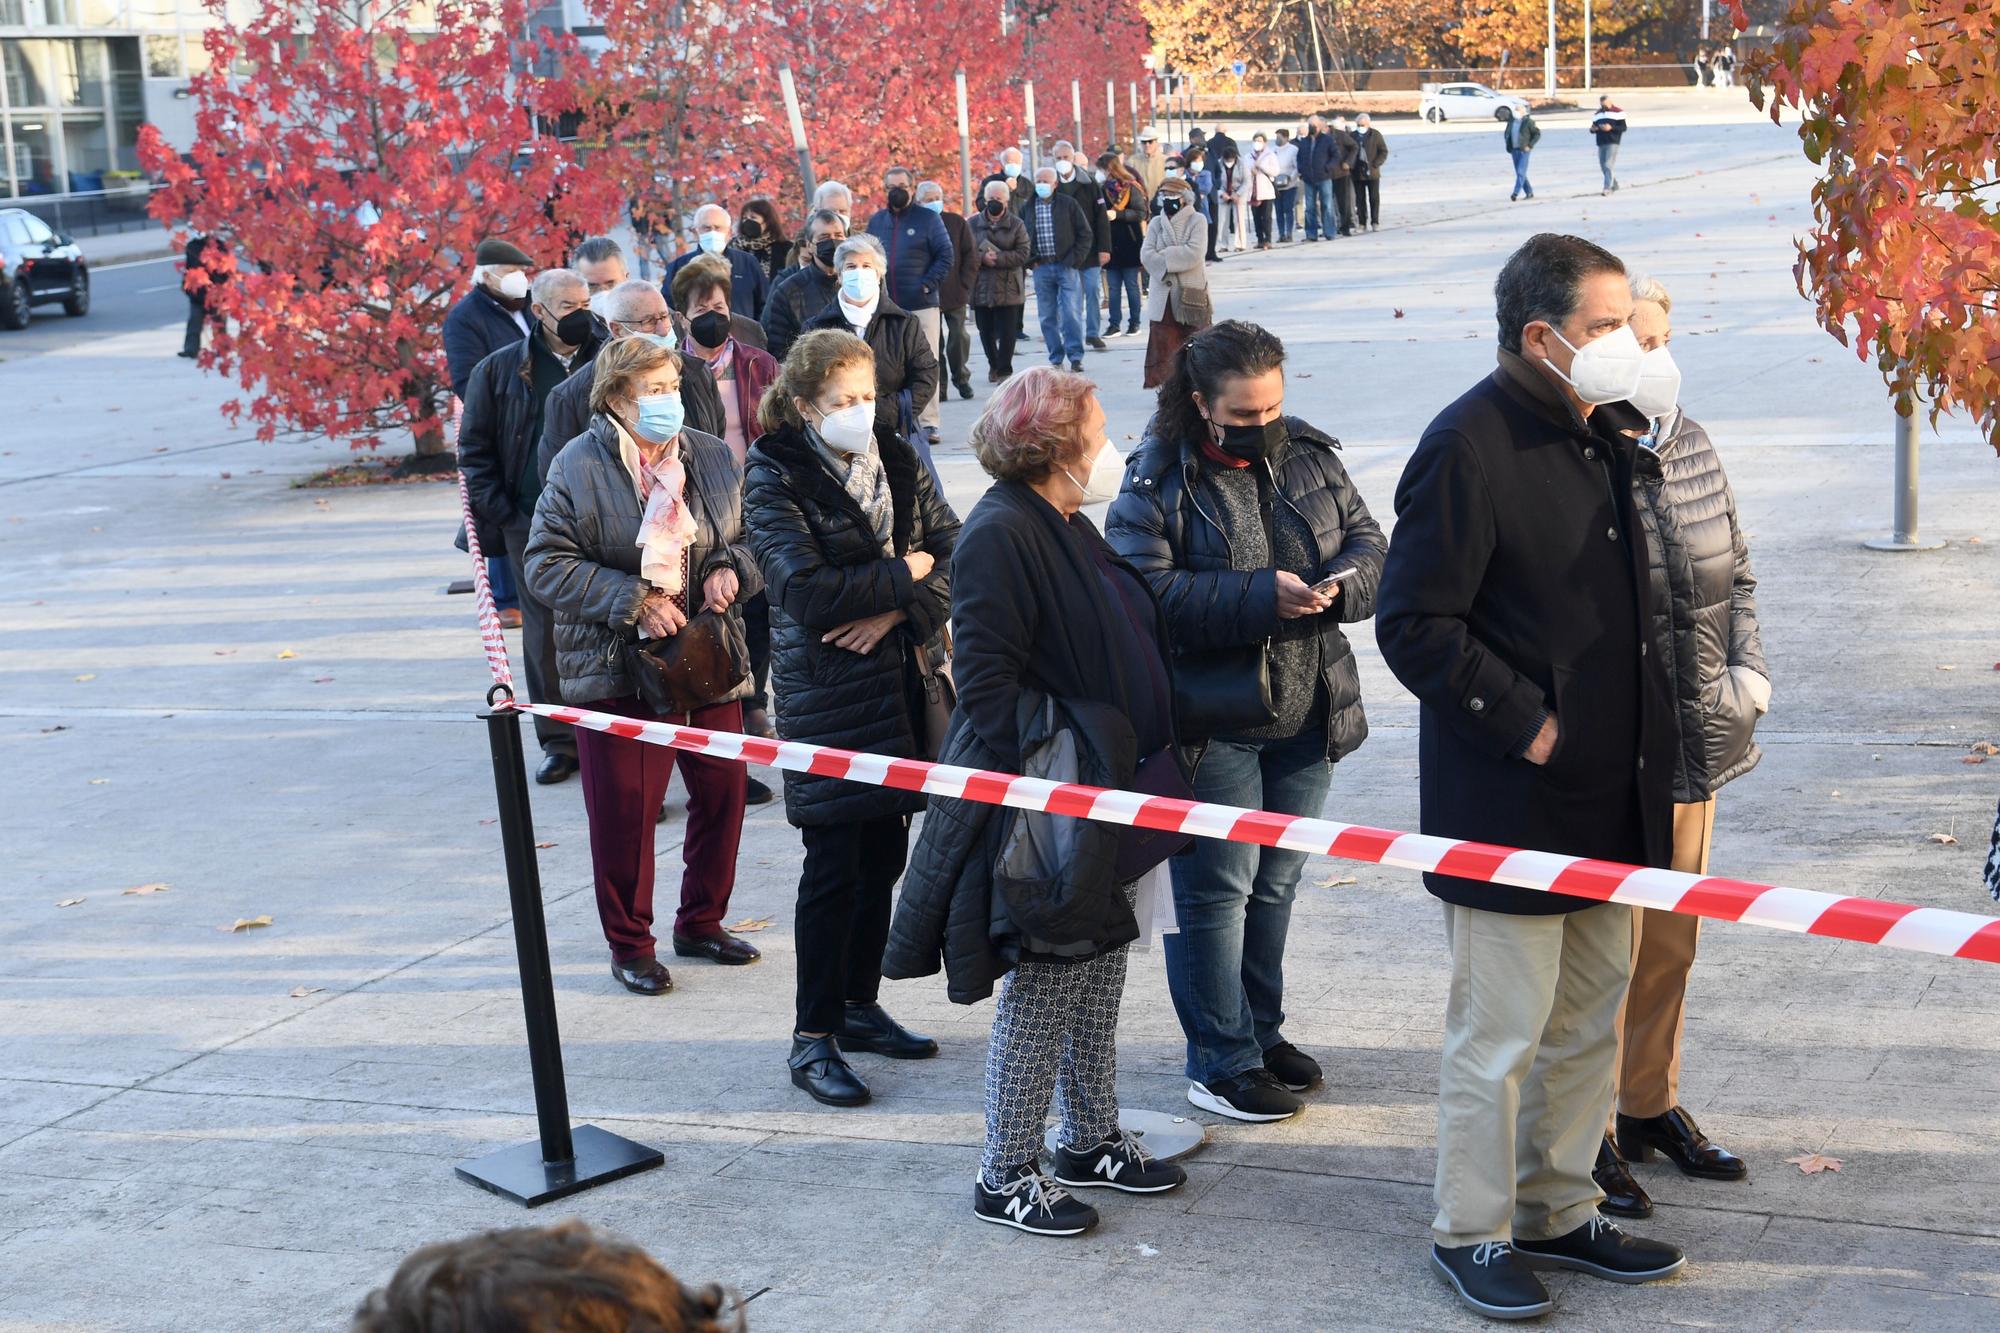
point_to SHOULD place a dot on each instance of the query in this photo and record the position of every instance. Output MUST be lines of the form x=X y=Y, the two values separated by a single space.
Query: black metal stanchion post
x=560 y=1162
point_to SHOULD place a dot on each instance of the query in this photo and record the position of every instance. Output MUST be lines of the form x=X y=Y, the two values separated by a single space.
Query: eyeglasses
x=650 y=324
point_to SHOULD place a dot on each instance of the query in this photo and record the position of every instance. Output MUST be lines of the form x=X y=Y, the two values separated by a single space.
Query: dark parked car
x=37 y=267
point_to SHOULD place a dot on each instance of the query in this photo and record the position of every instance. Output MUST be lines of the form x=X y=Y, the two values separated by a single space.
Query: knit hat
x=494 y=250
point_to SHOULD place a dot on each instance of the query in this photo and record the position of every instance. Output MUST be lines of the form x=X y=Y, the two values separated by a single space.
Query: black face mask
x=751 y=229
x=995 y=207
x=710 y=329
x=899 y=199
x=1171 y=204
x=576 y=328
x=1252 y=442
x=823 y=250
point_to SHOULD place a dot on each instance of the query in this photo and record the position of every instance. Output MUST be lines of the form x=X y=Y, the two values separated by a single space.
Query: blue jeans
x=1125 y=283
x=1226 y=964
x=1288 y=212
x=1322 y=214
x=1058 y=293
x=1520 y=156
x=1090 y=295
x=500 y=577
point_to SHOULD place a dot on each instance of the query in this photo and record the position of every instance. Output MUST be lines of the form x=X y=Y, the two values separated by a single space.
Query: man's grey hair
x=633 y=300
x=1040 y=172
x=1646 y=287
x=597 y=249
x=1011 y=155
x=829 y=190
x=1540 y=281
x=864 y=244
x=825 y=217
x=706 y=209
x=996 y=190
x=551 y=283
x=1363 y=119
x=929 y=190
x=897 y=170
x=1063 y=146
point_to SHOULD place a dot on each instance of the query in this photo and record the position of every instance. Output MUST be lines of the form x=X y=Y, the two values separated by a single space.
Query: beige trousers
x=1650 y=1023
x=1529 y=1042
x=931 y=320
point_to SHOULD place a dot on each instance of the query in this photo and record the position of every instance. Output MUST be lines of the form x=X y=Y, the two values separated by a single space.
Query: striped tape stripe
x=1863 y=920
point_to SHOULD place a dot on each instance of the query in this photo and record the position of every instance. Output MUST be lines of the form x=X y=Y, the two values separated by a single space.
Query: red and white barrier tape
x=490 y=635
x=1804 y=911
x=1865 y=920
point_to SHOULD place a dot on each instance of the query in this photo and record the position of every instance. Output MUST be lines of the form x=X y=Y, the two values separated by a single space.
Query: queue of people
x=689 y=510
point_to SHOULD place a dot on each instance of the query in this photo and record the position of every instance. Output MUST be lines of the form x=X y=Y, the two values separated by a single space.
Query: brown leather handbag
x=690 y=670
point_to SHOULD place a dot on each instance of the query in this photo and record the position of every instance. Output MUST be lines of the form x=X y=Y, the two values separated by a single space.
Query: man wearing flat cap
x=493 y=315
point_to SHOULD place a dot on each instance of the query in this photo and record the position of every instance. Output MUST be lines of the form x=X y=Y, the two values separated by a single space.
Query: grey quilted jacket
x=1704 y=608
x=583 y=556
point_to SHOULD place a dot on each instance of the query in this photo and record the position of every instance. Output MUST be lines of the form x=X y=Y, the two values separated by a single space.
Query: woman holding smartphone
x=1259 y=548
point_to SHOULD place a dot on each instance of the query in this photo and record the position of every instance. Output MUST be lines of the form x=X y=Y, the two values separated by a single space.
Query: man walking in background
x=920 y=255
x=956 y=294
x=1608 y=128
x=1519 y=134
x=1059 y=250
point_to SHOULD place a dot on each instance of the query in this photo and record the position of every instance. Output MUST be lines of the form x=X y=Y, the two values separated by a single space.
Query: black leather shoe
x=721 y=947
x=868 y=1027
x=645 y=978
x=1490 y=1278
x=756 y=793
x=1623 y=1196
x=965 y=389
x=1677 y=1136
x=556 y=767
x=819 y=1068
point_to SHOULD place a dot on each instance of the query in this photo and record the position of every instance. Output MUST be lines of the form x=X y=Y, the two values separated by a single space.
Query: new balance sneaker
x=1252 y=1095
x=1292 y=1067
x=1029 y=1201
x=1489 y=1279
x=1118 y=1163
x=1601 y=1248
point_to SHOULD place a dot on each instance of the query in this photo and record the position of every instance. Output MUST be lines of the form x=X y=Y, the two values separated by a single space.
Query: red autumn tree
x=353 y=167
x=1900 y=103
x=1065 y=41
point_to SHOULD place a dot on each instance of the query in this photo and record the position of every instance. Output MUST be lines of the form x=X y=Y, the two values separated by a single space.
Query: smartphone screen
x=1325 y=585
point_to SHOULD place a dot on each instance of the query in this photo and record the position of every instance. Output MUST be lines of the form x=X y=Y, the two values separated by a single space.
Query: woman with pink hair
x=1047 y=619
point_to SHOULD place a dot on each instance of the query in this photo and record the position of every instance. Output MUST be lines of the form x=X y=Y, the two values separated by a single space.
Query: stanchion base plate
x=1894 y=544
x=520 y=1174
x=1165 y=1136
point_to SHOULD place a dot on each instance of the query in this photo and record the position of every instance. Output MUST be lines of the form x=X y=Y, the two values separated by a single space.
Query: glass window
x=27 y=72
x=38 y=230
x=163 y=57
x=88 y=149
x=34 y=159
x=81 y=70
x=196 y=53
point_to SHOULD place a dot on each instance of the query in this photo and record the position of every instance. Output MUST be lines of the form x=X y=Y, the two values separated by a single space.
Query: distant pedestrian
x=1063 y=245
x=1125 y=206
x=1177 y=307
x=1725 y=68
x=919 y=256
x=1519 y=135
x=1343 y=163
x=1083 y=186
x=1703 y=626
x=1286 y=179
x=807 y=289
x=748 y=283
x=902 y=354
x=1608 y=128
x=855 y=544
x=956 y=294
x=637 y=537
x=491 y=315
x=1263 y=188
x=197 y=276
x=760 y=232
x=999 y=291
x=1149 y=164
x=1371 y=151
x=1704 y=67
x=1232 y=200
x=836 y=196
x=1316 y=160
x=1201 y=174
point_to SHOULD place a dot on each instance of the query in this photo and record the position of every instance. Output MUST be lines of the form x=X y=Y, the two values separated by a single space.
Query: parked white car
x=1467 y=101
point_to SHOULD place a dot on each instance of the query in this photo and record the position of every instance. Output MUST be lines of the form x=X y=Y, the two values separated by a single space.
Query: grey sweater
x=1297 y=675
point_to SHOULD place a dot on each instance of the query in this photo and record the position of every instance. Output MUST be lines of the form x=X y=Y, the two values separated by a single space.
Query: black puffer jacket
x=1161 y=525
x=583 y=553
x=800 y=294
x=903 y=357
x=1703 y=608
x=823 y=568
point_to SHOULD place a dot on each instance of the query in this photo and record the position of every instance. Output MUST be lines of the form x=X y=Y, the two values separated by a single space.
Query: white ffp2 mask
x=1107 y=472
x=1604 y=370
x=1659 y=384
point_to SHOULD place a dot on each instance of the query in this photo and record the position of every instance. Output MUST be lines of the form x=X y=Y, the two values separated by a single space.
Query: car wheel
x=14 y=308
x=1435 y=115
x=79 y=298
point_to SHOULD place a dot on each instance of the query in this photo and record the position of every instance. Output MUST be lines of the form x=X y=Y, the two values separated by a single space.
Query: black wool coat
x=566 y=414
x=1517 y=582
x=1029 y=612
x=903 y=357
x=823 y=568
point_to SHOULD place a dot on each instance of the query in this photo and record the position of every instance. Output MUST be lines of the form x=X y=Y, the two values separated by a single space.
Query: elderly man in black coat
x=1514 y=606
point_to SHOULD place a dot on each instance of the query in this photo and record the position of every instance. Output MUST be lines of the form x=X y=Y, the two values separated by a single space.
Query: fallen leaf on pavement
x=1398 y=310
x=288 y=653
x=494 y=820
x=1945 y=666
x=99 y=782
x=225 y=652
x=748 y=926
x=322 y=680
x=300 y=992
x=64 y=726
x=1987 y=748
x=141 y=890
x=544 y=844
x=69 y=902
x=244 y=923
x=225 y=476
x=1337 y=881
x=88 y=675
x=1944 y=839
x=1813 y=1163
x=1973 y=759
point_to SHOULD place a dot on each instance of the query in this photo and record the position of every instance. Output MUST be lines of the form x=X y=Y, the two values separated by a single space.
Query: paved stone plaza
x=261 y=697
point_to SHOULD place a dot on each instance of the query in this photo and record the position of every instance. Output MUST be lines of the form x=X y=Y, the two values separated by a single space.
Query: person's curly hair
x=1032 y=423
x=560 y=1279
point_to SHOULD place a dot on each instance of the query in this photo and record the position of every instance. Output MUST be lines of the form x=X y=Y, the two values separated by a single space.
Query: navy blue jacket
x=748 y=283
x=920 y=254
x=476 y=327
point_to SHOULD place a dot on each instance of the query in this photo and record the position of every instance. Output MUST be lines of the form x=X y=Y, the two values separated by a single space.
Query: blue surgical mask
x=659 y=416
x=665 y=340
x=1010 y=169
x=1043 y=189
x=934 y=205
x=860 y=285
x=712 y=241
